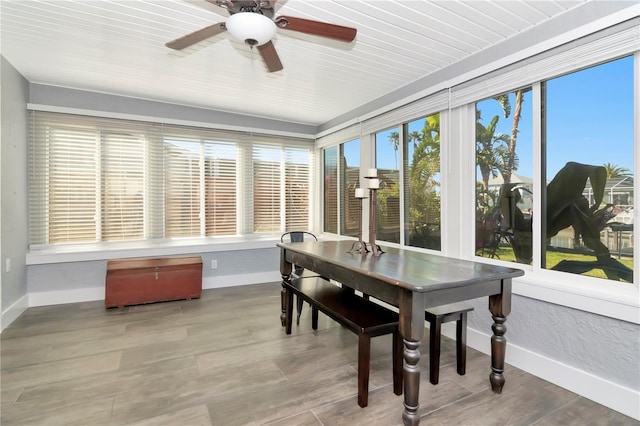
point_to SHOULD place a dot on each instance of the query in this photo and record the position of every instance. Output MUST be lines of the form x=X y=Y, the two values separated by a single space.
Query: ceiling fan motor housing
x=251 y=28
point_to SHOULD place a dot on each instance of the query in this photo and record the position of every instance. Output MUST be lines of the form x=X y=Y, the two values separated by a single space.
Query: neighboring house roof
x=498 y=180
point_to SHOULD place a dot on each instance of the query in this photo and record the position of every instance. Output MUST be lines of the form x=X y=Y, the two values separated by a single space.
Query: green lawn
x=553 y=258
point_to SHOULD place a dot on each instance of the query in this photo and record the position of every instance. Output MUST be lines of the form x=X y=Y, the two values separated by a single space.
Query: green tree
x=423 y=185
x=511 y=153
x=491 y=150
x=613 y=171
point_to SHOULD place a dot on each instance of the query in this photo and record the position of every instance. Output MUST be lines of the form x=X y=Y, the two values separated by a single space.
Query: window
x=200 y=183
x=387 y=145
x=183 y=186
x=586 y=129
x=341 y=178
x=275 y=169
x=504 y=173
x=588 y=121
x=350 y=205
x=101 y=180
x=421 y=168
x=331 y=190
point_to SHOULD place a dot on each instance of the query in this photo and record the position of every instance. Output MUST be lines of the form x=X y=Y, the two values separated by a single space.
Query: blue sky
x=589 y=120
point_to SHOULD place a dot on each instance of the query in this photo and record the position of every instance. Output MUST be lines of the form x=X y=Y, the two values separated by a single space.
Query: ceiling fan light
x=251 y=28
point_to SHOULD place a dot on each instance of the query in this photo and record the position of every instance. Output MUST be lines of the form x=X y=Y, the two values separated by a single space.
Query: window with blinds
x=101 y=179
x=281 y=188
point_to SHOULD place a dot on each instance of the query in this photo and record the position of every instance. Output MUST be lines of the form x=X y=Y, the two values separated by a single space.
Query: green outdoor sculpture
x=566 y=206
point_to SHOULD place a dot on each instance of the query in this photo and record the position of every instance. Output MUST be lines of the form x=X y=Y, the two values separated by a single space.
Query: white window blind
x=123 y=164
x=220 y=177
x=183 y=186
x=425 y=106
x=72 y=177
x=267 y=196
x=87 y=178
x=101 y=179
x=297 y=188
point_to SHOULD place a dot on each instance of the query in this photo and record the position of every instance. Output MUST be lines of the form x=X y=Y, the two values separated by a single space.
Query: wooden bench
x=363 y=317
x=437 y=316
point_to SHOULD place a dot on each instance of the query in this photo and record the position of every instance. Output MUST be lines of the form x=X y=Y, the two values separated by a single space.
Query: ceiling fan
x=253 y=22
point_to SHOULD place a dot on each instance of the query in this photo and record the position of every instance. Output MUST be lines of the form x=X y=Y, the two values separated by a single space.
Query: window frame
x=154 y=178
x=599 y=296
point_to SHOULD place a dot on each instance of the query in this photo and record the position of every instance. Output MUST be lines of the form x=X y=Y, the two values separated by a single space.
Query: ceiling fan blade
x=270 y=56
x=307 y=26
x=197 y=36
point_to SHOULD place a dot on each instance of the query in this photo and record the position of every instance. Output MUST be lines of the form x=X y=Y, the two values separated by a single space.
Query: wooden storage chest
x=148 y=280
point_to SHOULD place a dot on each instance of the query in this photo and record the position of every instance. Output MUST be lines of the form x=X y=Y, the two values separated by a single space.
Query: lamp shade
x=251 y=28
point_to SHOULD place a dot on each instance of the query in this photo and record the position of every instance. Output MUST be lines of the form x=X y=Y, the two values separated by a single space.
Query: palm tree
x=511 y=162
x=614 y=171
x=394 y=140
x=511 y=155
x=424 y=197
x=491 y=150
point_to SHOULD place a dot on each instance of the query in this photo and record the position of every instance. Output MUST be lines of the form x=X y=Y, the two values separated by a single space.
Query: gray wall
x=13 y=183
x=234 y=267
x=605 y=347
x=101 y=102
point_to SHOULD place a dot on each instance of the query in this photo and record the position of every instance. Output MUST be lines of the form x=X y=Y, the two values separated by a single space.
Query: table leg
x=500 y=307
x=411 y=307
x=285 y=271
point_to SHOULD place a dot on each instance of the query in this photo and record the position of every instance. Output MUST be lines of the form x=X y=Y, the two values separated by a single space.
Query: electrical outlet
x=7 y=265
x=214 y=264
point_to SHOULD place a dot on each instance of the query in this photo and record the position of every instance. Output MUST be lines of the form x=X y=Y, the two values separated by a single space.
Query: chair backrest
x=297 y=236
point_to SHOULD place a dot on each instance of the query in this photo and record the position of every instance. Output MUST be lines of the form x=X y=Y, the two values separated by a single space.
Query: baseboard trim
x=59 y=297
x=240 y=279
x=14 y=311
x=595 y=388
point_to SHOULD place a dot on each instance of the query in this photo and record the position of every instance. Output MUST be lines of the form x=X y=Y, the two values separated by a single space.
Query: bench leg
x=398 y=349
x=314 y=317
x=461 y=343
x=364 y=359
x=434 y=350
x=299 y=309
x=288 y=316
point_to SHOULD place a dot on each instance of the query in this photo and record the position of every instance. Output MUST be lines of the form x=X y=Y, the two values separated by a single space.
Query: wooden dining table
x=411 y=281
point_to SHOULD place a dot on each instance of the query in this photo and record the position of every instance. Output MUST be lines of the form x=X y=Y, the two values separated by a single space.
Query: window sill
x=106 y=251
x=619 y=301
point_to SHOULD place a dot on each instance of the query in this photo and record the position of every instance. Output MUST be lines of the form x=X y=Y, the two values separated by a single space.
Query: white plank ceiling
x=117 y=47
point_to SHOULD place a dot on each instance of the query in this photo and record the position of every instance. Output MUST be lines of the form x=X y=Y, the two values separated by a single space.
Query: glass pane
x=297 y=179
x=267 y=180
x=182 y=188
x=331 y=190
x=422 y=182
x=220 y=188
x=122 y=186
x=72 y=180
x=350 y=170
x=504 y=171
x=589 y=141
x=388 y=165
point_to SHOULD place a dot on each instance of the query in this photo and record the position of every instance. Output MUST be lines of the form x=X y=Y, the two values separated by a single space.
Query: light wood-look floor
x=225 y=360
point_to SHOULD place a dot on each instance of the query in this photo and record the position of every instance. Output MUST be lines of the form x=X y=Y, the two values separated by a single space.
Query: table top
x=416 y=271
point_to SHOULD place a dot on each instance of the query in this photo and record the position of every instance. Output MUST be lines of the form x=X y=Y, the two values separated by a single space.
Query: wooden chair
x=437 y=316
x=298 y=271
